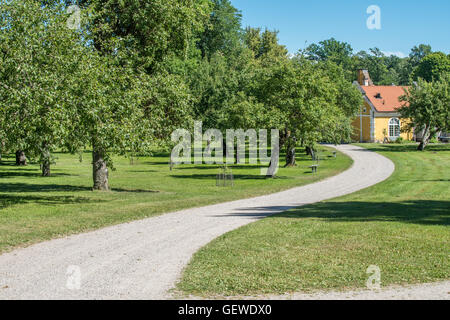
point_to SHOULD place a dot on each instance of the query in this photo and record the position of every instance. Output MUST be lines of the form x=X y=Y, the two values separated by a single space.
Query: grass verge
x=400 y=225
x=34 y=209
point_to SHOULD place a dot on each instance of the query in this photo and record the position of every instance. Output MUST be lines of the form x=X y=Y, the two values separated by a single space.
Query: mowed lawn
x=400 y=225
x=34 y=209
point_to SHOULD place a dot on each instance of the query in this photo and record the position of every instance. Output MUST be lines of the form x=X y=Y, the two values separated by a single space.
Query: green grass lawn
x=34 y=209
x=400 y=225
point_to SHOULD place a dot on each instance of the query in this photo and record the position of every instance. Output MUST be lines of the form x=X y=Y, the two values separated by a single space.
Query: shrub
x=400 y=140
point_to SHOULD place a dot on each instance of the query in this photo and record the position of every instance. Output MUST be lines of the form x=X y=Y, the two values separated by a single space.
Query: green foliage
x=264 y=44
x=418 y=53
x=332 y=50
x=308 y=102
x=144 y=33
x=433 y=67
x=427 y=105
x=58 y=90
x=383 y=69
x=400 y=140
x=136 y=70
x=223 y=32
x=38 y=58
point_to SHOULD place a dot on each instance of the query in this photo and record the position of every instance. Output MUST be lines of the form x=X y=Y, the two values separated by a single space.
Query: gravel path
x=143 y=259
x=426 y=291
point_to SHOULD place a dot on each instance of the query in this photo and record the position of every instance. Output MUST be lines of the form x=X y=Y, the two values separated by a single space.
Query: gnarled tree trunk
x=425 y=139
x=275 y=157
x=45 y=166
x=99 y=171
x=290 y=156
x=311 y=152
x=21 y=159
x=45 y=160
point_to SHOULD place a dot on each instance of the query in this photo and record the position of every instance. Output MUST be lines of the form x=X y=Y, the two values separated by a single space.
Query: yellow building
x=378 y=119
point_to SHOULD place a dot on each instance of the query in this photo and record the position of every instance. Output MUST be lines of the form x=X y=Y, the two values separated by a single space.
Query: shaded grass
x=34 y=209
x=400 y=225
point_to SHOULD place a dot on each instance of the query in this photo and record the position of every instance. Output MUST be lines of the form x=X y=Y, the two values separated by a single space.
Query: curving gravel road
x=143 y=259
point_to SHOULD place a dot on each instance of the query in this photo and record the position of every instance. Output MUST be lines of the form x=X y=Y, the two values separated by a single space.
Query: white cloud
x=394 y=53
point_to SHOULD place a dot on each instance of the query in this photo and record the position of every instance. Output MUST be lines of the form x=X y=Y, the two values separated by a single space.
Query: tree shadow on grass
x=236 y=177
x=11 y=200
x=407 y=148
x=120 y=190
x=141 y=171
x=424 y=212
x=27 y=187
x=29 y=173
x=219 y=167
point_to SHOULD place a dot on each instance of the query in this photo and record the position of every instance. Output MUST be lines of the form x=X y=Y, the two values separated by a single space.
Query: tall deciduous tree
x=307 y=102
x=418 y=53
x=106 y=113
x=223 y=30
x=433 y=67
x=38 y=56
x=332 y=50
x=144 y=33
x=427 y=105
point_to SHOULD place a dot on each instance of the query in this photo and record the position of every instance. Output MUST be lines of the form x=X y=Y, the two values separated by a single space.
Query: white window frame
x=392 y=124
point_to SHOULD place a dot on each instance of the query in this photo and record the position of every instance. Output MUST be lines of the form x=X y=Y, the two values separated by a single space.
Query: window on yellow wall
x=394 y=128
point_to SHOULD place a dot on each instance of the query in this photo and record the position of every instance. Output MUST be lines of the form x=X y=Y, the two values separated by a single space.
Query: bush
x=434 y=140
x=400 y=140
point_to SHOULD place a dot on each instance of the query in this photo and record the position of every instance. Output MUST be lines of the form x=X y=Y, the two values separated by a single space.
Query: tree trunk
x=99 y=171
x=274 y=161
x=310 y=151
x=423 y=145
x=45 y=166
x=290 y=156
x=21 y=159
x=45 y=160
x=425 y=139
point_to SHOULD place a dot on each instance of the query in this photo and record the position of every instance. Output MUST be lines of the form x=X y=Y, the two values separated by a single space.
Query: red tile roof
x=385 y=98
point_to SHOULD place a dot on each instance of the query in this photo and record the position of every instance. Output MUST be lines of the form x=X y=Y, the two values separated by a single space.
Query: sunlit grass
x=400 y=225
x=33 y=208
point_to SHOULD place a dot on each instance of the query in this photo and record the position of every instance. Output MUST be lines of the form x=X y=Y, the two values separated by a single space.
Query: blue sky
x=404 y=23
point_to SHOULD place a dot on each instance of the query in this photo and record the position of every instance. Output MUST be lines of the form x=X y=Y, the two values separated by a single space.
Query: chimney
x=364 y=78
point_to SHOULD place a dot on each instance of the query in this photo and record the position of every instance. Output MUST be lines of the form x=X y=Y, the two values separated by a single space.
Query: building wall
x=363 y=120
x=356 y=129
x=382 y=124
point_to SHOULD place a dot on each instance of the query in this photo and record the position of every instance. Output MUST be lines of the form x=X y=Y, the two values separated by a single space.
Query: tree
x=223 y=31
x=433 y=67
x=38 y=56
x=264 y=45
x=144 y=33
x=106 y=108
x=427 y=105
x=306 y=102
x=60 y=91
x=418 y=53
x=332 y=50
